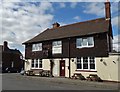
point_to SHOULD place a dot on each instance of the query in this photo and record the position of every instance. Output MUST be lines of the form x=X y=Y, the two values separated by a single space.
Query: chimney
x=107 y=10
x=5 y=47
x=55 y=25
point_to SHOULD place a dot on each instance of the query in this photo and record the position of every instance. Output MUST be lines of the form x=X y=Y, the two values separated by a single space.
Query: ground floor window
x=36 y=63
x=85 y=63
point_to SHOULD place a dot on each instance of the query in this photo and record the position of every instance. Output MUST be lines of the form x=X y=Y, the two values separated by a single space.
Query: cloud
x=116 y=43
x=62 y=5
x=115 y=21
x=76 y=18
x=98 y=8
x=59 y=0
x=23 y=20
x=94 y=8
x=73 y=4
x=20 y=21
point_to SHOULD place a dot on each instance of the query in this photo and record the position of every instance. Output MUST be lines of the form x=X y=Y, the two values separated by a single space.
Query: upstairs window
x=85 y=42
x=57 y=47
x=90 y=41
x=37 y=47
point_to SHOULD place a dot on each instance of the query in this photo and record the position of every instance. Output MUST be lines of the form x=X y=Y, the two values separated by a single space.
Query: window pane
x=59 y=43
x=54 y=43
x=33 y=47
x=32 y=63
x=92 y=66
x=79 y=42
x=79 y=64
x=85 y=62
x=92 y=63
x=40 y=63
x=84 y=41
x=36 y=64
x=90 y=41
x=40 y=46
x=37 y=47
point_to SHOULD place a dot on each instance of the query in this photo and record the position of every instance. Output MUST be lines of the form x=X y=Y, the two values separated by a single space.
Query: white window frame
x=37 y=47
x=92 y=42
x=56 y=48
x=38 y=60
x=88 y=64
x=87 y=45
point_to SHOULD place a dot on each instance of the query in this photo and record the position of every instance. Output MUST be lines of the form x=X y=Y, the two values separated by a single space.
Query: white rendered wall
x=27 y=64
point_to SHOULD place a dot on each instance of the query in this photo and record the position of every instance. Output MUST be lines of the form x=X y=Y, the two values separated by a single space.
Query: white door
x=56 y=68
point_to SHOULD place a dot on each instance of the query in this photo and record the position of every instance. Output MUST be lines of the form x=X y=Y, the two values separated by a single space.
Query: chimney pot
x=55 y=25
x=5 y=43
x=5 y=47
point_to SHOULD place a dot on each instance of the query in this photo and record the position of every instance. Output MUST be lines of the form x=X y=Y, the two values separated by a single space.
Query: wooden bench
x=42 y=73
x=45 y=73
x=78 y=76
x=93 y=77
x=29 y=73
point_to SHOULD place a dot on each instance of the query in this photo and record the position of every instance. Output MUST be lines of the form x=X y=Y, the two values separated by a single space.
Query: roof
x=99 y=25
x=15 y=51
x=114 y=53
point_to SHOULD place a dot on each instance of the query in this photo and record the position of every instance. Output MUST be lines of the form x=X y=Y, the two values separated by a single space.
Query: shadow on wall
x=104 y=63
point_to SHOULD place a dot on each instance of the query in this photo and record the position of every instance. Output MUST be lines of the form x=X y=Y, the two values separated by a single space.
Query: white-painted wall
x=27 y=64
x=46 y=64
x=107 y=69
x=66 y=67
x=56 y=68
x=73 y=66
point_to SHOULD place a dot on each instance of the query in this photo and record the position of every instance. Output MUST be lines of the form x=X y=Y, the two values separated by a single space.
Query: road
x=22 y=82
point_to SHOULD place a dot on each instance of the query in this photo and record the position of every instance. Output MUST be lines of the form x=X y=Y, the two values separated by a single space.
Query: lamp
x=72 y=60
x=101 y=59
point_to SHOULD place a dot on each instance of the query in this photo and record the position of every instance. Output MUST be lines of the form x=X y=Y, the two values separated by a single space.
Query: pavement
x=23 y=82
x=102 y=85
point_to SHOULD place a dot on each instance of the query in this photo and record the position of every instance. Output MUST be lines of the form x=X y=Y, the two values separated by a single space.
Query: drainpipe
x=51 y=68
x=69 y=56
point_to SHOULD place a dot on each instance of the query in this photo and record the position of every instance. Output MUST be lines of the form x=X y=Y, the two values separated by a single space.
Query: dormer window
x=37 y=47
x=84 y=42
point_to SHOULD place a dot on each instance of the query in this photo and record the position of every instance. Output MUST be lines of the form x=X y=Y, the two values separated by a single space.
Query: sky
x=21 y=20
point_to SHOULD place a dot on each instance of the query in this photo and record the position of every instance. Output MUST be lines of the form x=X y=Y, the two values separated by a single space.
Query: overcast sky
x=21 y=21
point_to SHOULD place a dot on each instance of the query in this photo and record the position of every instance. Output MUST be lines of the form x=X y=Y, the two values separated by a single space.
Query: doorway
x=62 y=68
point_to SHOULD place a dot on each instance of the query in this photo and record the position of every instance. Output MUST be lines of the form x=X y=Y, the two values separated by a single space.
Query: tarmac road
x=15 y=81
